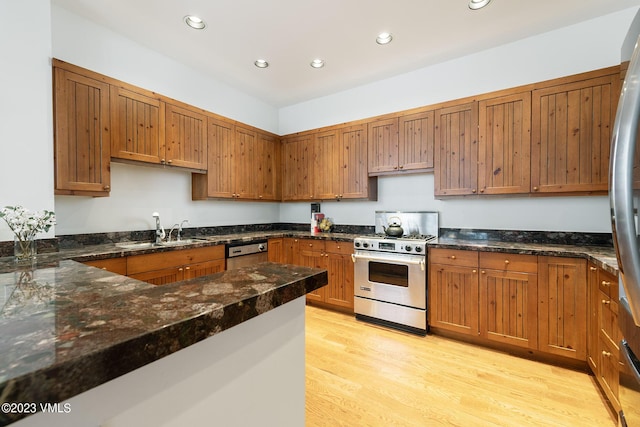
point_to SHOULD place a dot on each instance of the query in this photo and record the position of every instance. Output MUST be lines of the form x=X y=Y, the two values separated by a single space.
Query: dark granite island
x=84 y=347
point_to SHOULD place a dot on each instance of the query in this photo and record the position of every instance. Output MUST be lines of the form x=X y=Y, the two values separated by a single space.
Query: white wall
x=26 y=132
x=583 y=47
x=138 y=191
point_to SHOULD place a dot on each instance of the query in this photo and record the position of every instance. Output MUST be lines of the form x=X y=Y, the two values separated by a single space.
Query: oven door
x=395 y=278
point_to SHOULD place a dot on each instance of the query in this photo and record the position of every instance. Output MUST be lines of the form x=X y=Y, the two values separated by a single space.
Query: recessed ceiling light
x=261 y=63
x=194 y=22
x=478 y=4
x=317 y=63
x=384 y=38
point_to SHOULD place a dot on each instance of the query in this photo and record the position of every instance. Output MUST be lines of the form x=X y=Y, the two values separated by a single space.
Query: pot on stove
x=395 y=227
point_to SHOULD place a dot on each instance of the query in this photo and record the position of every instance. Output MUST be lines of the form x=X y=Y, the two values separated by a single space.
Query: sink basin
x=145 y=245
x=135 y=245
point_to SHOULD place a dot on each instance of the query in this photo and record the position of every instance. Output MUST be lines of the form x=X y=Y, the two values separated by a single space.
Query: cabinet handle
x=482 y=190
x=474 y=271
x=400 y=167
x=604 y=301
x=593 y=269
x=453 y=257
x=169 y=161
x=506 y=261
x=310 y=245
x=606 y=353
x=605 y=283
x=106 y=187
x=187 y=268
x=395 y=167
x=104 y=268
x=473 y=191
x=163 y=161
x=180 y=269
x=483 y=272
x=535 y=188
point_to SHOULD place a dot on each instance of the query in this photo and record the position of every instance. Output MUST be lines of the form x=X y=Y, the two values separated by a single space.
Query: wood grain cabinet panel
x=571 y=134
x=267 y=164
x=137 y=126
x=352 y=165
x=453 y=296
x=508 y=298
x=416 y=141
x=185 y=138
x=114 y=265
x=504 y=147
x=456 y=150
x=562 y=306
x=297 y=167
x=383 y=146
x=81 y=135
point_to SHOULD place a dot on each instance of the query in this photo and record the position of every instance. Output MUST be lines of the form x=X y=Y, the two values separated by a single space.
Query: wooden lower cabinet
x=168 y=267
x=508 y=299
x=562 y=306
x=603 y=351
x=528 y=301
x=333 y=256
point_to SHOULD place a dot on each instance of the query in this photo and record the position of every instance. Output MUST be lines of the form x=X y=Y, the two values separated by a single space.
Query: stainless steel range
x=390 y=271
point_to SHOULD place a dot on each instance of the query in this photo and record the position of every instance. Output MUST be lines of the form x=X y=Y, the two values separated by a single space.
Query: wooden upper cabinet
x=297 y=167
x=504 y=144
x=137 y=126
x=244 y=163
x=571 y=133
x=185 y=138
x=327 y=161
x=383 y=146
x=416 y=141
x=81 y=135
x=456 y=150
x=352 y=165
x=218 y=180
x=267 y=155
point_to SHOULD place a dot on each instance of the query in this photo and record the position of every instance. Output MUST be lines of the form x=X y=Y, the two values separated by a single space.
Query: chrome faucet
x=159 y=230
x=171 y=231
x=185 y=221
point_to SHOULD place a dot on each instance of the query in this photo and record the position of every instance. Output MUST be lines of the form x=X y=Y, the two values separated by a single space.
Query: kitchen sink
x=145 y=245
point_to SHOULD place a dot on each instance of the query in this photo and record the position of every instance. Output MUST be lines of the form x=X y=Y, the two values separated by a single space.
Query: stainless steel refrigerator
x=624 y=194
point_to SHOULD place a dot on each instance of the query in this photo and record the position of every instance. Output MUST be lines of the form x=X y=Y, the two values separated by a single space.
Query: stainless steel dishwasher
x=241 y=254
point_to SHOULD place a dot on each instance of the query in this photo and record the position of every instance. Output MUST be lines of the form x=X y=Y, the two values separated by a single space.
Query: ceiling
x=290 y=33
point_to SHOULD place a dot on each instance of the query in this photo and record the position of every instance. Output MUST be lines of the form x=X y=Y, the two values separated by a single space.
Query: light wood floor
x=358 y=374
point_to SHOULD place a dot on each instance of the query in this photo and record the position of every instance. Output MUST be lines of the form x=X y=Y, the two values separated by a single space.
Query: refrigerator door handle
x=623 y=147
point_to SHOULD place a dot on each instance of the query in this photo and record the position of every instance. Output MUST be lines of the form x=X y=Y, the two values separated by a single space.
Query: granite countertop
x=603 y=256
x=67 y=327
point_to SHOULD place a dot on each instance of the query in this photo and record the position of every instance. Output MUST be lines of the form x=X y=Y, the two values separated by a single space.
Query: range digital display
x=387 y=245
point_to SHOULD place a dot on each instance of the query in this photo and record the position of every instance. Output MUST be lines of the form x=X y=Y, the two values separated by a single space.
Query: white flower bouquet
x=25 y=225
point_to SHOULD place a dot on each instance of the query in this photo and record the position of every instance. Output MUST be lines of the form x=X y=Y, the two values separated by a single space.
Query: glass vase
x=24 y=250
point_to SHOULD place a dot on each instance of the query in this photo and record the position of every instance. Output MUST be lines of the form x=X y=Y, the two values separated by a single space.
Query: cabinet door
x=204 y=268
x=185 y=138
x=276 y=252
x=453 y=298
x=416 y=141
x=504 y=147
x=340 y=270
x=243 y=164
x=267 y=167
x=137 y=126
x=82 y=135
x=352 y=166
x=383 y=146
x=562 y=302
x=593 y=306
x=456 y=150
x=310 y=253
x=508 y=307
x=327 y=165
x=571 y=133
x=160 y=277
x=218 y=180
x=297 y=166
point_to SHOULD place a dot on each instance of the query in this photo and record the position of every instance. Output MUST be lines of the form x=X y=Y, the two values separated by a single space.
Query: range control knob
x=407 y=248
x=356 y=244
x=365 y=245
x=418 y=249
x=261 y=247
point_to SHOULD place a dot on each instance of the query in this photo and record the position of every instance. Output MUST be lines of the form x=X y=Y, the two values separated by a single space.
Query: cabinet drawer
x=453 y=257
x=608 y=315
x=345 y=248
x=311 y=245
x=509 y=262
x=608 y=284
x=151 y=262
x=114 y=265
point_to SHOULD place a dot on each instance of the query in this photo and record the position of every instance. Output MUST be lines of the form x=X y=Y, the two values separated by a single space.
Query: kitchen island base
x=250 y=374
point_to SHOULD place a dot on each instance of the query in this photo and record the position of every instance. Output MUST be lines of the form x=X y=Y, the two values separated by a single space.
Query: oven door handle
x=356 y=257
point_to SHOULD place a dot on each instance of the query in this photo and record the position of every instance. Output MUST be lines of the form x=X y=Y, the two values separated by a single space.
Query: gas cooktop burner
x=425 y=237
x=413 y=245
